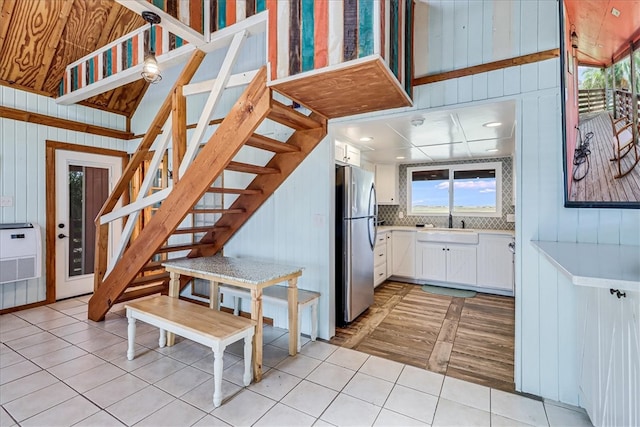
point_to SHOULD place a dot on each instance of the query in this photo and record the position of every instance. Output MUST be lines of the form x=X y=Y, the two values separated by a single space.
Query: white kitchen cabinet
x=609 y=365
x=380 y=259
x=403 y=253
x=447 y=262
x=348 y=154
x=495 y=262
x=387 y=184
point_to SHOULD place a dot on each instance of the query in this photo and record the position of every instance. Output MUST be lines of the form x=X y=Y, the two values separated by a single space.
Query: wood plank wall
x=22 y=170
x=190 y=13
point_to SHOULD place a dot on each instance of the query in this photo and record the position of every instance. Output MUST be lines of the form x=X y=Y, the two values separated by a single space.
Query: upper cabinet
x=387 y=184
x=346 y=153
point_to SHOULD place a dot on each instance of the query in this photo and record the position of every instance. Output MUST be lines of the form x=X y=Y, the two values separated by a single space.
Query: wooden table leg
x=174 y=292
x=214 y=296
x=292 y=297
x=256 y=314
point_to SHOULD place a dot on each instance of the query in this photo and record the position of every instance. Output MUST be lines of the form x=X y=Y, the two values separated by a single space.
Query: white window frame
x=497 y=166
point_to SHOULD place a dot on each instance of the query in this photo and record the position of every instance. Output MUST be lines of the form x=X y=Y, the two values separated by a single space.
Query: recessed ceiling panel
x=384 y=137
x=405 y=155
x=477 y=122
x=438 y=153
x=428 y=129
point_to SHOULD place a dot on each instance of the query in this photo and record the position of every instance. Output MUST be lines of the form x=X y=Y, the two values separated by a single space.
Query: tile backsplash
x=389 y=213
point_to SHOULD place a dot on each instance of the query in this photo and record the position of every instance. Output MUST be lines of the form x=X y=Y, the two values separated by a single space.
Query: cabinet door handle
x=618 y=293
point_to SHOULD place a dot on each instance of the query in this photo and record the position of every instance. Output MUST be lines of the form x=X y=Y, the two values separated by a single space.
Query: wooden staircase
x=137 y=271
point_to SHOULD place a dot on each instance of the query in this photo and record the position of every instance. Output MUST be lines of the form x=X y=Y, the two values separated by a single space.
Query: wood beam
x=52 y=44
x=490 y=66
x=179 y=129
x=42 y=119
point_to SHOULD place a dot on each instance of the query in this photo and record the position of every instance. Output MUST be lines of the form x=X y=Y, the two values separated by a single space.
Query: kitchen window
x=466 y=190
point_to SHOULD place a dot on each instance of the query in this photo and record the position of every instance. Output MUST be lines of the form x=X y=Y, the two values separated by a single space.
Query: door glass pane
x=88 y=190
x=474 y=191
x=430 y=192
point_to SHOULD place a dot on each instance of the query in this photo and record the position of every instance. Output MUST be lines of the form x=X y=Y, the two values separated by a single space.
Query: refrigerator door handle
x=372 y=216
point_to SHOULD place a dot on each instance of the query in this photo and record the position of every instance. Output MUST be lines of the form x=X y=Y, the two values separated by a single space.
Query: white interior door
x=83 y=183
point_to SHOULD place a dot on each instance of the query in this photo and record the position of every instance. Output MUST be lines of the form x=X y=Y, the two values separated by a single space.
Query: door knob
x=62 y=236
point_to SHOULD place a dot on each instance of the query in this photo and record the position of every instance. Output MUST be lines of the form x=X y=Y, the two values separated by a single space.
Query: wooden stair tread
x=153 y=265
x=151 y=278
x=220 y=190
x=181 y=247
x=248 y=168
x=289 y=117
x=143 y=291
x=199 y=229
x=269 y=144
x=216 y=211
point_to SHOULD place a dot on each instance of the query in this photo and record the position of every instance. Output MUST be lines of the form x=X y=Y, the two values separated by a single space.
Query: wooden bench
x=200 y=324
x=278 y=295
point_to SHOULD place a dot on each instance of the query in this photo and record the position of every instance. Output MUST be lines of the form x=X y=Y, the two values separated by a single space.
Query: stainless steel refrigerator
x=356 y=214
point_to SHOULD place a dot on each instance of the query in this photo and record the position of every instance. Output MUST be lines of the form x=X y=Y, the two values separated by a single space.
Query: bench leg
x=314 y=321
x=299 y=329
x=218 y=355
x=248 y=349
x=131 y=336
x=163 y=338
x=236 y=306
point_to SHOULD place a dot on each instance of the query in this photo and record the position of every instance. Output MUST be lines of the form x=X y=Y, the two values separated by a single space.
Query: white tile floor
x=59 y=369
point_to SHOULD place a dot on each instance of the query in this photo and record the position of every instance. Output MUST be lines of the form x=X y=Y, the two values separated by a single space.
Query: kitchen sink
x=469 y=237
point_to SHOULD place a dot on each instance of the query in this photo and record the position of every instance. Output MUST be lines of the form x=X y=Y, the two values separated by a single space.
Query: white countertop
x=595 y=265
x=384 y=228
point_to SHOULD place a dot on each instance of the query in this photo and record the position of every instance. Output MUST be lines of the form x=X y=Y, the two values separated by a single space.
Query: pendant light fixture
x=574 y=37
x=150 y=69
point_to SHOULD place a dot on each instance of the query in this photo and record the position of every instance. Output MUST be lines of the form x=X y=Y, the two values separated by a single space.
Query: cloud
x=443 y=186
x=488 y=190
x=476 y=185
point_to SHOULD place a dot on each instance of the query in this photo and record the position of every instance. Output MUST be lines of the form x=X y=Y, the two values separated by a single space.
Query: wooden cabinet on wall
x=387 y=184
x=609 y=356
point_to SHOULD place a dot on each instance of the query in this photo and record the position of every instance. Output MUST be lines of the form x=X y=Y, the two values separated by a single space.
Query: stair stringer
x=243 y=119
x=306 y=140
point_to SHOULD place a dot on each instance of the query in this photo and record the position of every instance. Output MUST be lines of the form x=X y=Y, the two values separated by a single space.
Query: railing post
x=179 y=129
x=102 y=246
x=634 y=93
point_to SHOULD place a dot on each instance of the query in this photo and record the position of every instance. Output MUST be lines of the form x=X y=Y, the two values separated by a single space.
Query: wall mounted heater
x=20 y=252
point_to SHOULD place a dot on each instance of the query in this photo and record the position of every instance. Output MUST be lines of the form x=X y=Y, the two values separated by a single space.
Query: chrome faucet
x=462 y=222
x=450 y=221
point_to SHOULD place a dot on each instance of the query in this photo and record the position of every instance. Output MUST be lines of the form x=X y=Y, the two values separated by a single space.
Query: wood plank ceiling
x=39 y=38
x=602 y=35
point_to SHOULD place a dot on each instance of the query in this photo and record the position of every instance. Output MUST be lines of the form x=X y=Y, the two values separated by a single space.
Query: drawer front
x=381 y=238
x=380 y=254
x=379 y=274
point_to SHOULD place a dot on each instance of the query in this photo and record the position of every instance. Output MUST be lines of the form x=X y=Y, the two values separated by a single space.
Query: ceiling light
x=615 y=12
x=492 y=150
x=492 y=124
x=400 y=158
x=150 y=69
x=366 y=139
x=417 y=121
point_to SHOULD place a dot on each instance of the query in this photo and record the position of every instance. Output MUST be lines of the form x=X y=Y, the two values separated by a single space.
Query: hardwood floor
x=599 y=184
x=466 y=338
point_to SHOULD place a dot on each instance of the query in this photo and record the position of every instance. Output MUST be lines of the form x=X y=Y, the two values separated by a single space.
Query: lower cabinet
x=495 y=262
x=380 y=259
x=608 y=351
x=403 y=253
x=447 y=263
